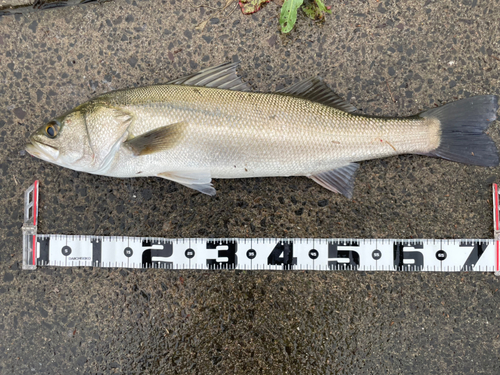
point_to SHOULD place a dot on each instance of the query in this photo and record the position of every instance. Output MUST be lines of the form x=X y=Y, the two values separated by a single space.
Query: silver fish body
x=236 y=134
x=191 y=131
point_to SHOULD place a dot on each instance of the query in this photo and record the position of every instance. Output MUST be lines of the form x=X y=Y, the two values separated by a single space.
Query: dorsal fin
x=316 y=90
x=221 y=77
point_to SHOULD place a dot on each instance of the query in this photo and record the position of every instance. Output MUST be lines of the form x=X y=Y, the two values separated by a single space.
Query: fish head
x=85 y=139
x=63 y=141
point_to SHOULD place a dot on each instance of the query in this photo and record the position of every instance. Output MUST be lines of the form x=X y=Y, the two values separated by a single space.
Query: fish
x=210 y=125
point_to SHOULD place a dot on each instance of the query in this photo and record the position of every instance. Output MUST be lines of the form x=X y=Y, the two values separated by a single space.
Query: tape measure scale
x=436 y=255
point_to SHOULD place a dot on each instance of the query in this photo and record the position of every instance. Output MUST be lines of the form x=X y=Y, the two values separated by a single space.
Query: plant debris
x=316 y=10
x=252 y=6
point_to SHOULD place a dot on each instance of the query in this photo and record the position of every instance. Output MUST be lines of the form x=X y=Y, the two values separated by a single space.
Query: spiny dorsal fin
x=316 y=90
x=157 y=140
x=340 y=180
x=221 y=77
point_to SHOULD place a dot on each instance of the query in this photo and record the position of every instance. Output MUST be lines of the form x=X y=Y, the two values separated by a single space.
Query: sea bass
x=209 y=125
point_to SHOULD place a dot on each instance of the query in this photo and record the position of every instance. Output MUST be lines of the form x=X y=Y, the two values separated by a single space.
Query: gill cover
x=106 y=129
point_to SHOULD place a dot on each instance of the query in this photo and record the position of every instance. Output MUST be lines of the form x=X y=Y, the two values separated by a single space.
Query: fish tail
x=462 y=127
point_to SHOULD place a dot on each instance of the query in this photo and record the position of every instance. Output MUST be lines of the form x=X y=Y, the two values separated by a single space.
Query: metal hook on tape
x=496 y=229
x=29 y=228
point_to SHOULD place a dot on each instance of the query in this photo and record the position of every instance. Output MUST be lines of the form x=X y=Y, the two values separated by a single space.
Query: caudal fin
x=462 y=130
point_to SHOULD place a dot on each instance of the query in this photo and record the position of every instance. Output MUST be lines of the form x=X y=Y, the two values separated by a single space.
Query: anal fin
x=339 y=180
x=200 y=180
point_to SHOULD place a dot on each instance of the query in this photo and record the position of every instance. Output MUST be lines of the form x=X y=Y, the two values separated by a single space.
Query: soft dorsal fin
x=221 y=77
x=316 y=90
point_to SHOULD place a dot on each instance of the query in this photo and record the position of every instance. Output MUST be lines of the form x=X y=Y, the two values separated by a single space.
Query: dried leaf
x=251 y=6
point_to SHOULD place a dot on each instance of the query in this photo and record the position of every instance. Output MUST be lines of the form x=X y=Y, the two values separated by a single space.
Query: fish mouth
x=42 y=151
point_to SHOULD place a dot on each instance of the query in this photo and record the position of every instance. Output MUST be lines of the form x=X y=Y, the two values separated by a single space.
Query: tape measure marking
x=268 y=254
x=439 y=255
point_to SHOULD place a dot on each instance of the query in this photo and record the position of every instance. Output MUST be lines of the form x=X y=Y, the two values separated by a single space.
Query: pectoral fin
x=200 y=180
x=156 y=140
x=340 y=180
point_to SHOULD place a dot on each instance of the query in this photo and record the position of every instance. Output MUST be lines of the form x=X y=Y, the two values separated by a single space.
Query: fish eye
x=51 y=129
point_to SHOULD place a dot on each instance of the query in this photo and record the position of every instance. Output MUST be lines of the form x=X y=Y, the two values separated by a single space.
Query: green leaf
x=251 y=6
x=288 y=15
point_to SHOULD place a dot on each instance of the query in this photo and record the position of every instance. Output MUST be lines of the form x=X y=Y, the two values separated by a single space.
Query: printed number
x=441 y=255
x=43 y=244
x=376 y=254
x=128 y=252
x=66 y=250
x=282 y=254
x=478 y=248
x=342 y=257
x=96 y=252
x=189 y=253
x=226 y=254
x=408 y=260
x=158 y=249
x=313 y=254
x=251 y=254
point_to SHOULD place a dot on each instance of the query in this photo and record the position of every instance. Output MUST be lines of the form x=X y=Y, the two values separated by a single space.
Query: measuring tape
x=256 y=253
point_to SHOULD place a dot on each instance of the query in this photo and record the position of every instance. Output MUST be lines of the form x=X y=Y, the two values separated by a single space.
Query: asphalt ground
x=393 y=58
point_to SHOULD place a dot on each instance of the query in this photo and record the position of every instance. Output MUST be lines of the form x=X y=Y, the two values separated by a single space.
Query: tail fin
x=462 y=130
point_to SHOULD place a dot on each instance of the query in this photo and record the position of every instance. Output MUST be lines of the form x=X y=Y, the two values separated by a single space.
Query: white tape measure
x=257 y=253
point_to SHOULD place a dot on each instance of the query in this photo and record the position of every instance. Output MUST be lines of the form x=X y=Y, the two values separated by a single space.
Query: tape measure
x=320 y=254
